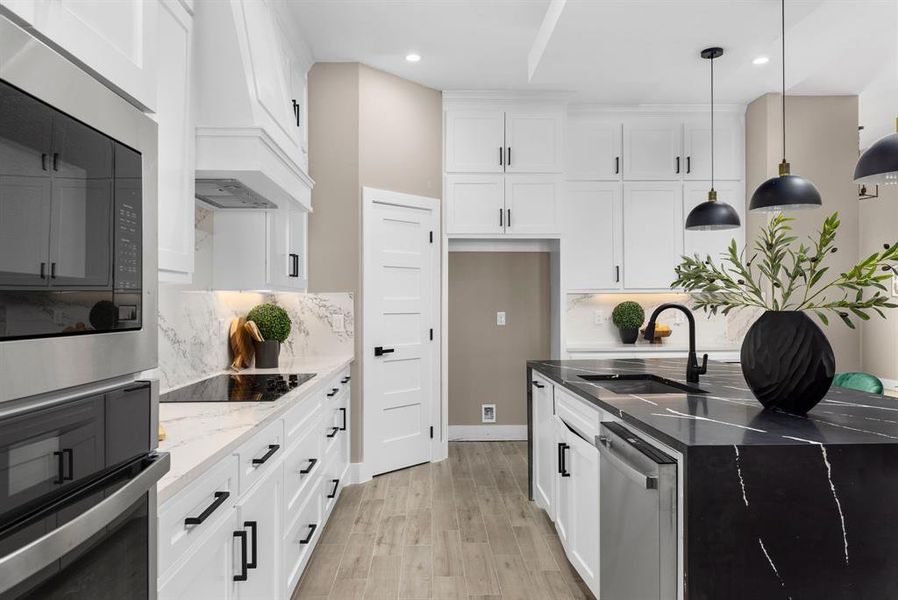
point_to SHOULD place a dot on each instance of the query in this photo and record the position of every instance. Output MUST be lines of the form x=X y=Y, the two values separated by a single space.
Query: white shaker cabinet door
x=593 y=149
x=258 y=514
x=564 y=503
x=652 y=149
x=653 y=234
x=582 y=462
x=729 y=148
x=713 y=243
x=475 y=204
x=475 y=141
x=209 y=571
x=532 y=204
x=591 y=221
x=533 y=142
x=545 y=467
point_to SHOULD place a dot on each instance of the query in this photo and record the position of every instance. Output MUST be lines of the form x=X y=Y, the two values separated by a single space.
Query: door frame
x=439 y=445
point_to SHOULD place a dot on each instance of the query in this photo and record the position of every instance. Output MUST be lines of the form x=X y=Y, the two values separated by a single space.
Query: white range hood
x=250 y=89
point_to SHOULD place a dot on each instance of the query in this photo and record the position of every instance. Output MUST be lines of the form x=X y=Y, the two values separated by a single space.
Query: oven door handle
x=24 y=562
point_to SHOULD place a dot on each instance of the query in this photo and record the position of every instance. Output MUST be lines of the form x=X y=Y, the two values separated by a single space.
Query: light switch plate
x=500 y=318
x=337 y=323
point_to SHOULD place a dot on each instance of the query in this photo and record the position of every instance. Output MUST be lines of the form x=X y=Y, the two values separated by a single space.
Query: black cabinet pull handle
x=563 y=460
x=254 y=529
x=333 y=432
x=52 y=270
x=501 y=161
x=380 y=350
x=296 y=111
x=307 y=470
x=343 y=410
x=509 y=156
x=44 y=161
x=220 y=498
x=617 y=165
x=272 y=448
x=678 y=164
x=345 y=379
x=560 y=457
x=70 y=455
x=43 y=270
x=333 y=493
x=308 y=538
x=617 y=273
x=501 y=218
x=688 y=164
x=332 y=393
x=294 y=265
x=508 y=220
x=538 y=385
x=56 y=161
x=243 y=564
x=60 y=468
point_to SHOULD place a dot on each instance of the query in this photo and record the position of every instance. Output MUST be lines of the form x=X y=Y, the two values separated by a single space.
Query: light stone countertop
x=199 y=434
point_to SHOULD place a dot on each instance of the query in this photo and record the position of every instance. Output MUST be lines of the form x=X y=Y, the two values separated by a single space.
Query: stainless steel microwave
x=77 y=225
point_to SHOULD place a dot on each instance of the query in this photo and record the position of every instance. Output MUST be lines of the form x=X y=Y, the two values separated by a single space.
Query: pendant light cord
x=783 y=31
x=712 y=122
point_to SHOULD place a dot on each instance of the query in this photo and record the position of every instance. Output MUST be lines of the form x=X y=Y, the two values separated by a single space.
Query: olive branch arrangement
x=794 y=277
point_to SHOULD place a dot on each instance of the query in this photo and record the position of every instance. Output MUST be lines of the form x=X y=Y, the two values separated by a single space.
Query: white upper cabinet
x=115 y=40
x=593 y=149
x=713 y=243
x=652 y=234
x=531 y=204
x=493 y=140
x=591 y=221
x=652 y=149
x=729 y=147
x=533 y=141
x=475 y=204
x=176 y=143
x=475 y=141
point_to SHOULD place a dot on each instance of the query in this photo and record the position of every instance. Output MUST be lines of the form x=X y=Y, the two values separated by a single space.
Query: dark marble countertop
x=728 y=414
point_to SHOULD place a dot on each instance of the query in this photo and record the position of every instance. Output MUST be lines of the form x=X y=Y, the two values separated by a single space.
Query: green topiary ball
x=628 y=315
x=272 y=320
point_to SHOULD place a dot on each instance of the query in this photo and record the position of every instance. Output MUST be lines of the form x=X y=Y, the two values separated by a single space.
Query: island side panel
x=807 y=521
x=530 y=434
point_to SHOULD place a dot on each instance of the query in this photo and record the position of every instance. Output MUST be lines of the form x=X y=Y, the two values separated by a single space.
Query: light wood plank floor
x=458 y=529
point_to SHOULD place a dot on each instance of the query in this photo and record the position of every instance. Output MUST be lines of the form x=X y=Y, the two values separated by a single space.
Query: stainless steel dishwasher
x=637 y=518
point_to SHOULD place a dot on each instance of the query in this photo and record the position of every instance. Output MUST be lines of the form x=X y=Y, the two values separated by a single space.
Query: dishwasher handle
x=646 y=480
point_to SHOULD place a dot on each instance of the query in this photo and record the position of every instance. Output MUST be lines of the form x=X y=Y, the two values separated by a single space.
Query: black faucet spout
x=693 y=370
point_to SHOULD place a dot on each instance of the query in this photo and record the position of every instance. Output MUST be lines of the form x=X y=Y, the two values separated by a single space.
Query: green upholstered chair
x=862 y=382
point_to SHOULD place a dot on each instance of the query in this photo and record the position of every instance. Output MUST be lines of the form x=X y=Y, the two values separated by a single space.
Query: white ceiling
x=612 y=51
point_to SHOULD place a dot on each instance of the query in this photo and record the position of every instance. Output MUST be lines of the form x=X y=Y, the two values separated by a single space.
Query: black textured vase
x=787 y=361
x=267 y=354
x=628 y=335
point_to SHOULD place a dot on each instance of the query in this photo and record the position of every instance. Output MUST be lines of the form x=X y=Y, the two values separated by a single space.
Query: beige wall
x=821 y=145
x=366 y=128
x=487 y=361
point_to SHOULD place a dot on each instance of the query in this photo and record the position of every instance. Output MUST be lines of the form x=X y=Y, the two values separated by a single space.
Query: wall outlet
x=500 y=318
x=338 y=324
x=487 y=413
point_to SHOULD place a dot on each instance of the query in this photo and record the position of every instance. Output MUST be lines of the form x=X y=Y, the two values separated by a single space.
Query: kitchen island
x=769 y=505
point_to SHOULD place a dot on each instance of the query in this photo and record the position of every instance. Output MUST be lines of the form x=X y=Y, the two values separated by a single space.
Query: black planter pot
x=787 y=361
x=267 y=354
x=628 y=335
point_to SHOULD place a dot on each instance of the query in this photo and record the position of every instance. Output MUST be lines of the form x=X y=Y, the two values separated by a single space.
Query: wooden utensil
x=254 y=332
x=241 y=345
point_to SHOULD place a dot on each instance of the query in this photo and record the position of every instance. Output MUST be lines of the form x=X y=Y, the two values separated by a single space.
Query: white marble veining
x=199 y=434
x=588 y=326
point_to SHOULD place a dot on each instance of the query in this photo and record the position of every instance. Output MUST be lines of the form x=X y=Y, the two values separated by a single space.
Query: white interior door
x=400 y=335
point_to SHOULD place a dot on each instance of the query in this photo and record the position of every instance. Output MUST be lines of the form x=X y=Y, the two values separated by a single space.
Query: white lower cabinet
x=563 y=503
x=220 y=540
x=582 y=492
x=544 y=450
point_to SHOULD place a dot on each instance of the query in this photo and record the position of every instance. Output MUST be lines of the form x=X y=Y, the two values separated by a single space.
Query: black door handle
x=333 y=493
x=294 y=265
x=563 y=466
x=343 y=410
x=243 y=564
x=307 y=470
x=508 y=220
x=254 y=529
x=380 y=350
x=333 y=432
x=501 y=218
x=272 y=448
x=308 y=538
x=220 y=498
x=617 y=273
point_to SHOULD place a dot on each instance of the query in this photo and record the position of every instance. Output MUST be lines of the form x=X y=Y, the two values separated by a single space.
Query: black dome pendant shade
x=786 y=192
x=879 y=164
x=712 y=215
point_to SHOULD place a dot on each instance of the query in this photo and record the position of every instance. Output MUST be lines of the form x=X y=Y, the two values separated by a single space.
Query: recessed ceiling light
x=761 y=60
x=412 y=57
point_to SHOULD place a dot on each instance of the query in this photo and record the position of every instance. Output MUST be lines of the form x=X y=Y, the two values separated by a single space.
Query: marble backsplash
x=588 y=321
x=193 y=328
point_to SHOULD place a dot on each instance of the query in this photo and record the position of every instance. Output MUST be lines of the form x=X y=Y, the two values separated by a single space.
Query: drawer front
x=577 y=413
x=302 y=418
x=303 y=465
x=300 y=539
x=208 y=499
x=259 y=454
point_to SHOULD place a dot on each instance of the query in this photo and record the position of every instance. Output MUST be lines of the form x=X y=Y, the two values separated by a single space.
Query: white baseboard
x=487 y=433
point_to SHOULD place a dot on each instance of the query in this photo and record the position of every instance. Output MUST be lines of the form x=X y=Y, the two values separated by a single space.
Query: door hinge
x=431 y=432
x=431 y=335
x=431 y=237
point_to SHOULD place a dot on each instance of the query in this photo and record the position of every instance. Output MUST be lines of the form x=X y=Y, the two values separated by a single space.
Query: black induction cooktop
x=238 y=387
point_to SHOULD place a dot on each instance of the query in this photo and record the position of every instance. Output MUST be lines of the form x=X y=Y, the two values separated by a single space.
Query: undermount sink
x=640 y=384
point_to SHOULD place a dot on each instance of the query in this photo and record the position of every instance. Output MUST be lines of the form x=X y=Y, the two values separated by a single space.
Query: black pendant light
x=879 y=164
x=712 y=215
x=786 y=192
